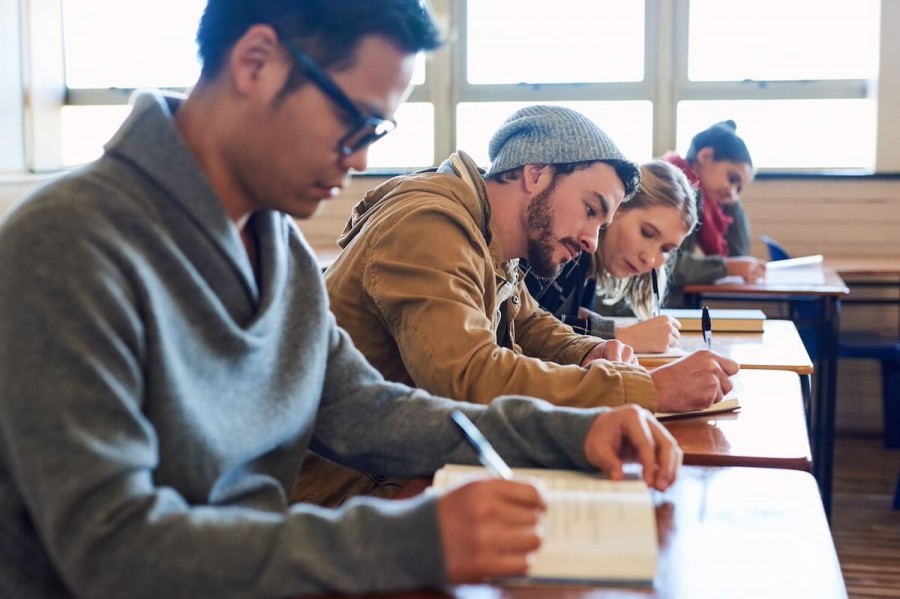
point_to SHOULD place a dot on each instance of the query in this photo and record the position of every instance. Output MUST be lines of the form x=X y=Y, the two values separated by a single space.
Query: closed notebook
x=725 y=321
x=595 y=530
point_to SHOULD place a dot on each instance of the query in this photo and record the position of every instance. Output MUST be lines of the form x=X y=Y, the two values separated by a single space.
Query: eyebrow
x=601 y=199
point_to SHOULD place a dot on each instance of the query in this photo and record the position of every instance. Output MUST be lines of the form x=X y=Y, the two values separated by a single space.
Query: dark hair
x=328 y=30
x=628 y=172
x=723 y=140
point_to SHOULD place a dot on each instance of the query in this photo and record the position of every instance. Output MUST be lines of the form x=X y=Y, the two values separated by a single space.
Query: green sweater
x=157 y=400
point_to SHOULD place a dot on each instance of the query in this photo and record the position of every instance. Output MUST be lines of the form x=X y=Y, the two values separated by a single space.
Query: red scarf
x=714 y=222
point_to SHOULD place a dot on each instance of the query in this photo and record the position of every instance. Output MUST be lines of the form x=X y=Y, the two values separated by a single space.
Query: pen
x=706 y=325
x=488 y=457
x=655 y=290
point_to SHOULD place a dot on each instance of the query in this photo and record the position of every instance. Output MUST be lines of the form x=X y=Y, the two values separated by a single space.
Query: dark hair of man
x=328 y=30
x=628 y=173
x=723 y=140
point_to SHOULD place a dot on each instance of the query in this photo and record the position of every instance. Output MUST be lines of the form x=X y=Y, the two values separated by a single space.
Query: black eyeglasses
x=365 y=129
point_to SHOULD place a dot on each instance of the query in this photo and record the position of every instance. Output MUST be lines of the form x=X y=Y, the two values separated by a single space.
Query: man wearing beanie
x=429 y=289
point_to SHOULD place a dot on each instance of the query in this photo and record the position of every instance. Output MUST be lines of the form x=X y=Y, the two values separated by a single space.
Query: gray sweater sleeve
x=738 y=234
x=600 y=326
x=81 y=455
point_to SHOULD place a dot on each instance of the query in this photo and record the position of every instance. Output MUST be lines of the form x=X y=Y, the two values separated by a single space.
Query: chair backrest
x=776 y=252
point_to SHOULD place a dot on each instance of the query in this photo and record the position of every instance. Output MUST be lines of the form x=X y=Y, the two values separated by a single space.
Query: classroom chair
x=776 y=252
x=856 y=345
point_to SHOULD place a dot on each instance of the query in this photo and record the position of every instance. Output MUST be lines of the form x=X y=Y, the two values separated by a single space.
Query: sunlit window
x=791 y=133
x=411 y=144
x=771 y=40
x=111 y=43
x=568 y=41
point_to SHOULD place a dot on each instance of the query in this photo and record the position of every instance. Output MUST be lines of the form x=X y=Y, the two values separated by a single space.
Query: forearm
x=738 y=234
x=690 y=268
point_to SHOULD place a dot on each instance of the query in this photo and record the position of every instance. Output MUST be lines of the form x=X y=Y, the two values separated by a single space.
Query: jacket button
x=515 y=299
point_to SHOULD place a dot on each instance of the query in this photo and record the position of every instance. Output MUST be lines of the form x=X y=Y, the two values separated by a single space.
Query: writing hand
x=488 y=528
x=654 y=335
x=748 y=267
x=694 y=382
x=632 y=434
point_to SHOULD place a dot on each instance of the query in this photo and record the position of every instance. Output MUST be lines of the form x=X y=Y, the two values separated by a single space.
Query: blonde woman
x=642 y=237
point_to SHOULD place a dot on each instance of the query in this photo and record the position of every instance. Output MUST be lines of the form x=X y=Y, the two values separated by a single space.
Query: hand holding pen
x=488 y=526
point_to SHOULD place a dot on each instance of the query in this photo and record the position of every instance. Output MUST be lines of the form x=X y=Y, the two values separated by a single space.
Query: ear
x=706 y=156
x=536 y=177
x=256 y=61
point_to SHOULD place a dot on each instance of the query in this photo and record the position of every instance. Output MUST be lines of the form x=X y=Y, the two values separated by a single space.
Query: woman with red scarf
x=719 y=165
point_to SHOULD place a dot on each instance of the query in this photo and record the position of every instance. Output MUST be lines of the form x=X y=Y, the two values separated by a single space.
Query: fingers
x=488 y=528
x=669 y=456
x=631 y=433
x=729 y=366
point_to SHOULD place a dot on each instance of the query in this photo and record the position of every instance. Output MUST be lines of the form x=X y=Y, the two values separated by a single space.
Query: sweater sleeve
x=81 y=455
x=431 y=297
x=738 y=234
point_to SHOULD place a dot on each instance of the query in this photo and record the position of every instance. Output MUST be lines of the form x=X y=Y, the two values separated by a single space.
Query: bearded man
x=429 y=289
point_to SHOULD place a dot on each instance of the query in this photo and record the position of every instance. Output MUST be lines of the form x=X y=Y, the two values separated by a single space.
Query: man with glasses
x=167 y=353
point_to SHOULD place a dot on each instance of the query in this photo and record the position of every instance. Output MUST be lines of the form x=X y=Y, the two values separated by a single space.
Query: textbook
x=595 y=530
x=734 y=321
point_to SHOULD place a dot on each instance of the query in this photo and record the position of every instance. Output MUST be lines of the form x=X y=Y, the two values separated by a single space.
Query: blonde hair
x=662 y=184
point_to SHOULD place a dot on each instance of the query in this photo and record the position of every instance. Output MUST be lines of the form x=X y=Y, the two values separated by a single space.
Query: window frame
x=665 y=83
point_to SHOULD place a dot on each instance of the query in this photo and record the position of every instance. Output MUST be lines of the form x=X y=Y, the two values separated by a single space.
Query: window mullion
x=44 y=83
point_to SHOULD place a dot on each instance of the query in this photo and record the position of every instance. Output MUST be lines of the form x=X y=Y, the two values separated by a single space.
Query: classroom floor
x=866 y=530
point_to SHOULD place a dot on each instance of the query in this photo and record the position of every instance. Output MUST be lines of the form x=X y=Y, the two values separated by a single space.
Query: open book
x=596 y=529
x=729 y=403
x=735 y=321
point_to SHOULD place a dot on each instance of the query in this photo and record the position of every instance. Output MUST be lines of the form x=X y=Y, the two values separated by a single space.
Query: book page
x=794 y=262
x=595 y=528
x=672 y=352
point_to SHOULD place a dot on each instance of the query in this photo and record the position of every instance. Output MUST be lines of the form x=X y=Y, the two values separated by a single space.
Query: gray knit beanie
x=545 y=134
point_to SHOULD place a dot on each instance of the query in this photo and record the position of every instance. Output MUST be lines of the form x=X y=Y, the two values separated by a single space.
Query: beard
x=541 y=242
x=540 y=235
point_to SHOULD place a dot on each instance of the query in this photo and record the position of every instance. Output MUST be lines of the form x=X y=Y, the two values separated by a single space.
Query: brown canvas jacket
x=417 y=288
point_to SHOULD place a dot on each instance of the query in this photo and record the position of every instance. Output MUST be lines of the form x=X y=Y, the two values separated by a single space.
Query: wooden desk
x=800 y=286
x=768 y=431
x=778 y=347
x=724 y=532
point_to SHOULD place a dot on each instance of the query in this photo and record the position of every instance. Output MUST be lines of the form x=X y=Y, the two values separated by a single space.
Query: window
x=797 y=77
x=98 y=81
x=803 y=79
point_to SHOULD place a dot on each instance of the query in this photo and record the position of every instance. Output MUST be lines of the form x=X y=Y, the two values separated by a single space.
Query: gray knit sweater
x=156 y=400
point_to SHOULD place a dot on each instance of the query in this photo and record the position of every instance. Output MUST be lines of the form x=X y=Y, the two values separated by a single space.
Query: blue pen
x=706 y=325
x=488 y=457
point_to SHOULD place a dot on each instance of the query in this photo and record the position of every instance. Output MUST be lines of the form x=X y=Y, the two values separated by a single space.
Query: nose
x=733 y=190
x=589 y=239
x=357 y=160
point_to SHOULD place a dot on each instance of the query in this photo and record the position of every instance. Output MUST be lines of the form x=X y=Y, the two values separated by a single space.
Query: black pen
x=655 y=289
x=706 y=325
x=488 y=457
